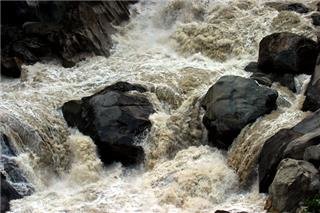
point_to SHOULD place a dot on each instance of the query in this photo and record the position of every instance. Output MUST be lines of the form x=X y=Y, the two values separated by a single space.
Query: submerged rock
x=113 y=118
x=8 y=193
x=287 y=143
x=285 y=79
x=296 y=7
x=312 y=101
x=287 y=53
x=295 y=181
x=232 y=103
x=10 y=168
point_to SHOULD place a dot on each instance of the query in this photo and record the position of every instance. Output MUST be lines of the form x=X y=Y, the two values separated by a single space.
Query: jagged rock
x=296 y=148
x=8 y=193
x=295 y=181
x=267 y=79
x=312 y=101
x=287 y=53
x=14 y=174
x=312 y=154
x=232 y=103
x=276 y=148
x=61 y=29
x=113 y=118
x=296 y=7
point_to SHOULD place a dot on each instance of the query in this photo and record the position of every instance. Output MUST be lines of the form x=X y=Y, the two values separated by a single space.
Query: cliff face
x=60 y=29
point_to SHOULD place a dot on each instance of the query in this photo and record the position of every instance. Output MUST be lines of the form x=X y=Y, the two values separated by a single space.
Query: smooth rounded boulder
x=113 y=118
x=232 y=103
x=287 y=53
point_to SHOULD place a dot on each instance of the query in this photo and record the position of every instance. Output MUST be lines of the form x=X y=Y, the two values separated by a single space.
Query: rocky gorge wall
x=66 y=30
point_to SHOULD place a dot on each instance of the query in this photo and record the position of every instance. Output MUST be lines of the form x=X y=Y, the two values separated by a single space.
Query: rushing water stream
x=178 y=49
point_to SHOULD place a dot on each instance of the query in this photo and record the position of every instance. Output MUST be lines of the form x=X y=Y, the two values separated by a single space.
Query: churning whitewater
x=177 y=49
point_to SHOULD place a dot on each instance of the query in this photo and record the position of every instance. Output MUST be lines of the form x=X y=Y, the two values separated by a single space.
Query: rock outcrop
x=287 y=143
x=312 y=101
x=295 y=181
x=60 y=29
x=232 y=103
x=287 y=53
x=113 y=118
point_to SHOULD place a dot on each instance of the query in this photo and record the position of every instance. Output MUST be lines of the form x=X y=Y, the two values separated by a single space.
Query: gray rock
x=232 y=103
x=295 y=180
x=296 y=148
x=276 y=148
x=312 y=154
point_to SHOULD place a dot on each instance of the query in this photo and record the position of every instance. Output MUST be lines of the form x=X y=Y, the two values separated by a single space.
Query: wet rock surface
x=287 y=53
x=285 y=79
x=8 y=193
x=60 y=29
x=296 y=7
x=287 y=143
x=312 y=101
x=232 y=103
x=295 y=181
x=113 y=118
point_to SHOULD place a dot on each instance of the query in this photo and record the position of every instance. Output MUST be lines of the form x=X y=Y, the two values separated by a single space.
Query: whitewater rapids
x=177 y=49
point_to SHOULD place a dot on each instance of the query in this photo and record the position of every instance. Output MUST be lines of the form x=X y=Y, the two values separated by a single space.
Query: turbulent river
x=177 y=49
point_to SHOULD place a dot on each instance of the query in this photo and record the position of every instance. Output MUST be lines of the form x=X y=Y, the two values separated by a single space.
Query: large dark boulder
x=287 y=143
x=285 y=79
x=312 y=102
x=113 y=118
x=232 y=103
x=66 y=30
x=295 y=181
x=8 y=193
x=287 y=53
